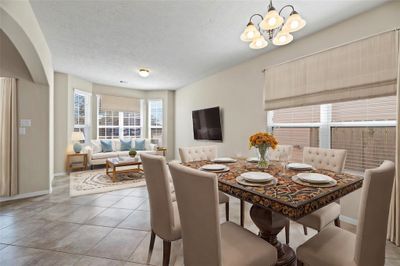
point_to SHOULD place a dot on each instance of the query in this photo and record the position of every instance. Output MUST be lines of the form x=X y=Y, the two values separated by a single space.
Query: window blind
x=365 y=128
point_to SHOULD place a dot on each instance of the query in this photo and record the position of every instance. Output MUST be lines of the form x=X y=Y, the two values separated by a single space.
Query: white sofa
x=97 y=157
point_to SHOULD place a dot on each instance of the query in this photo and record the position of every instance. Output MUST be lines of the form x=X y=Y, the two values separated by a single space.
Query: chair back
x=281 y=152
x=157 y=177
x=197 y=197
x=198 y=153
x=373 y=215
x=328 y=159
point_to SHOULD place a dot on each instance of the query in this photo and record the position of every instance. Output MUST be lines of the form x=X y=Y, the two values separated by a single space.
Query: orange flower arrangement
x=261 y=139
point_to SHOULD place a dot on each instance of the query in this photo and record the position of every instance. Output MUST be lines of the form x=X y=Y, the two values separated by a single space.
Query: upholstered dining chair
x=328 y=159
x=164 y=216
x=199 y=153
x=335 y=246
x=205 y=240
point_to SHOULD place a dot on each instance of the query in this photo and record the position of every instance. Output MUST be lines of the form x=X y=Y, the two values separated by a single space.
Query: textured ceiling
x=180 y=41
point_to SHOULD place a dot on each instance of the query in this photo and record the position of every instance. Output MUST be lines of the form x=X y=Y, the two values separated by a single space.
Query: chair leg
x=287 y=232
x=152 y=240
x=227 y=211
x=242 y=213
x=299 y=263
x=305 y=230
x=337 y=222
x=166 y=252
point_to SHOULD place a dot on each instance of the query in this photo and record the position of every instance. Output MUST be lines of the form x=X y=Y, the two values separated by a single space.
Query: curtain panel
x=120 y=104
x=393 y=233
x=361 y=69
x=8 y=137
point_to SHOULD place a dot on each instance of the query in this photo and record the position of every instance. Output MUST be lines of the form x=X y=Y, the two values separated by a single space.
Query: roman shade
x=361 y=69
x=120 y=104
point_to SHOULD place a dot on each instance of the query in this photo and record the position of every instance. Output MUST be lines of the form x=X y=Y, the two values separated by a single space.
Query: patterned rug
x=96 y=181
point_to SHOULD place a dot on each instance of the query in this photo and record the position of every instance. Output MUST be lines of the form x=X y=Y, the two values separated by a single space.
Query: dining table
x=275 y=203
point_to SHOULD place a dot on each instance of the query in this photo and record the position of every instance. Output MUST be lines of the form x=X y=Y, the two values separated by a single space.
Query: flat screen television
x=207 y=124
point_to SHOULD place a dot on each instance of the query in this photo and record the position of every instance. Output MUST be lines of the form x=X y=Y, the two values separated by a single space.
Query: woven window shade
x=362 y=69
x=120 y=104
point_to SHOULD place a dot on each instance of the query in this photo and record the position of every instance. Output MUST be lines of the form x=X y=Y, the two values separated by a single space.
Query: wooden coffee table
x=114 y=163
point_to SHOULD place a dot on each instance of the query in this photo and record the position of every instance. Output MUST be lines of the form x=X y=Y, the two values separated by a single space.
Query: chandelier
x=273 y=26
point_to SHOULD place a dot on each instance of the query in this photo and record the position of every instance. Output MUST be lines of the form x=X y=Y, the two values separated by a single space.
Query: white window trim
x=149 y=126
x=88 y=113
x=120 y=121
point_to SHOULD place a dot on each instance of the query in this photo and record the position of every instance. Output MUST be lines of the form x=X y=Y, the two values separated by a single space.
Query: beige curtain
x=361 y=69
x=8 y=137
x=393 y=233
x=120 y=104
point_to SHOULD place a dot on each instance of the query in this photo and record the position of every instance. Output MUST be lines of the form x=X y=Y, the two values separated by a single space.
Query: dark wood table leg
x=270 y=224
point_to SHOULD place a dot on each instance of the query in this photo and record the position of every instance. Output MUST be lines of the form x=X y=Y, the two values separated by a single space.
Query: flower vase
x=262 y=156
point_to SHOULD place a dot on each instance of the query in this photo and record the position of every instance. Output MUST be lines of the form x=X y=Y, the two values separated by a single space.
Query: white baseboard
x=25 y=195
x=60 y=174
x=348 y=220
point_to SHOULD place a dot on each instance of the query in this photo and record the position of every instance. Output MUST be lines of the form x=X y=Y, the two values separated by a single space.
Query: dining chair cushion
x=331 y=247
x=222 y=197
x=328 y=159
x=198 y=153
x=322 y=217
x=281 y=152
x=241 y=247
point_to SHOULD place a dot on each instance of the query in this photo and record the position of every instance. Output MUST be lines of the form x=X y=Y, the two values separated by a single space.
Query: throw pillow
x=96 y=146
x=126 y=145
x=139 y=144
x=106 y=145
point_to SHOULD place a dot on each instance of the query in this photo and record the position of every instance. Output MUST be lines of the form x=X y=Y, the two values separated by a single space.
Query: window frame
x=120 y=125
x=149 y=125
x=325 y=125
x=88 y=115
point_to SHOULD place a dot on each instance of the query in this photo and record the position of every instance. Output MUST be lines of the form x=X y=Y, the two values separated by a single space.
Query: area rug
x=96 y=181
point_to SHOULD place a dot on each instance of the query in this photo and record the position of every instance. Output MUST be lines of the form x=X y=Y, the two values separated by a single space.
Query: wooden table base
x=270 y=224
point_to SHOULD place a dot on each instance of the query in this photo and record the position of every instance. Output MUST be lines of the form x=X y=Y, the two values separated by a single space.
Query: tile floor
x=102 y=229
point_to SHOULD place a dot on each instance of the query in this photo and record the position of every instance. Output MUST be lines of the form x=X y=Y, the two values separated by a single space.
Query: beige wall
x=239 y=90
x=33 y=99
x=63 y=112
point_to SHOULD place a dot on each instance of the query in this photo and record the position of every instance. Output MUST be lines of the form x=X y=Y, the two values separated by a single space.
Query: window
x=156 y=121
x=365 y=128
x=82 y=113
x=115 y=125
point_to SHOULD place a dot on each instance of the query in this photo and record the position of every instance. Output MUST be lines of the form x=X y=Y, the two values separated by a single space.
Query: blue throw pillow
x=106 y=145
x=126 y=145
x=139 y=144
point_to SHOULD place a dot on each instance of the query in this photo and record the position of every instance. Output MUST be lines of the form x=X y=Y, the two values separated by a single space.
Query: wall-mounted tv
x=207 y=124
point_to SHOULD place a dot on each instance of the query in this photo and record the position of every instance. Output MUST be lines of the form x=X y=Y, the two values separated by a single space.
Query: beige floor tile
x=138 y=220
x=3 y=246
x=47 y=236
x=20 y=229
x=93 y=261
x=105 y=200
x=82 y=240
x=121 y=192
x=140 y=192
x=119 y=244
x=83 y=200
x=110 y=217
x=82 y=214
x=130 y=203
x=144 y=207
x=28 y=256
x=6 y=221
x=57 y=211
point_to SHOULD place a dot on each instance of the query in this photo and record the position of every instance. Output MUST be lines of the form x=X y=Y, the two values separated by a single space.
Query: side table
x=73 y=164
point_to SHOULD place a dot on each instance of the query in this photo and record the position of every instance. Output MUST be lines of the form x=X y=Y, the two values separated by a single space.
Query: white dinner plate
x=314 y=178
x=213 y=167
x=253 y=160
x=257 y=176
x=299 y=166
x=224 y=160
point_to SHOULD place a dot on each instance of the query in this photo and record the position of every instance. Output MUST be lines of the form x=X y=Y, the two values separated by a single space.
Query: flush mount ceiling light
x=144 y=73
x=272 y=27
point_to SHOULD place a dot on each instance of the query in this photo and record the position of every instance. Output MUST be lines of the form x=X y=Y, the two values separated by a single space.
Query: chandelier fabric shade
x=120 y=104
x=272 y=20
x=362 y=69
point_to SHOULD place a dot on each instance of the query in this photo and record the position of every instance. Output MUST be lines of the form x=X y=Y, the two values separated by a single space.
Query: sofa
x=97 y=157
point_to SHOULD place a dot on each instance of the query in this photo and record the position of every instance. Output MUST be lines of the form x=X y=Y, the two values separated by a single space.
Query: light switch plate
x=22 y=131
x=25 y=122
